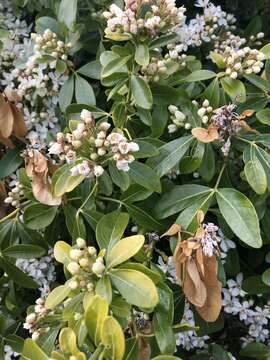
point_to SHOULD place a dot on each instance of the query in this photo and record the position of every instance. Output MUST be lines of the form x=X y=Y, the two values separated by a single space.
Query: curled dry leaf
x=193 y=286
x=37 y=168
x=246 y=113
x=19 y=127
x=6 y=120
x=247 y=127
x=144 y=349
x=173 y=230
x=211 y=309
x=206 y=135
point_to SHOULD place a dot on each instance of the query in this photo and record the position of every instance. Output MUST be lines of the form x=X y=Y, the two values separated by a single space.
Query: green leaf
x=142 y=54
x=32 y=351
x=166 y=357
x=170 y=154
x=84 y=92
x=110 y=229
x=66 y=93
x=16 y=274
x=39 y=216
x=163 y=40
x=67 y=12
x=10 y=162
x=63 y=181
x=266 y=50
x=234 y=88
x=135 y=287
x=91 y=70
x=254 y=285
x=256 y=176
x=208 y=165
x=266 y=277
x=74 y=222
x=200 y=75
x=61 y=66
x=179 y=198
x=143 y=217
x=120 y=178
x=95 y=316
x=255 y=350
x=116 y=65
x=144 y=176
x=258 y=82
x=264 y=116
x=119 y=115
x=141 y=92
x=164 y=94
x=164 y=334
x=57 y=295
x=240 y=215
x=153 y=275
x=217 y=59
x=112 y=337
x=68 y=341
x=124 y=249
x=24 y=251
x=46 y=22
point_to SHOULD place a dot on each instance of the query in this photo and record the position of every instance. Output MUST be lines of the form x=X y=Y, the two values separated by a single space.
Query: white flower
x=98 y=170
x=122 y=165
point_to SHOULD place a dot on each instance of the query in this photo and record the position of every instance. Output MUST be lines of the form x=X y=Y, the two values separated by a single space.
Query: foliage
x=145 y=142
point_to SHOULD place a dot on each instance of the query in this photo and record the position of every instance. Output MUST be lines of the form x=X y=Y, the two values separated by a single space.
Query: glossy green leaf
x=39 y=216
x=170 y=154
x=84 y=92
x=234 y=88
x=240 y=215
x=110 y=229
x=24 y=251
x=142 y=54
x=141 y=92
x=67 y=12
x=63 y=181
x=66 y=93
x=200 y=75
x=145 y=176
x=10 y=162
x=256 y=176
x=91 y=70
x=264 y=116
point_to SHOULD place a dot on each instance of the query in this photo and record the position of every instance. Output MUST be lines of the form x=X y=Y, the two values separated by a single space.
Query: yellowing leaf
x=137 y=288
x=56 y=296
x=61 y=252
x=68 y=341
x=32 y=351
x=124 y=250
x=95 y=315
x=113 y=338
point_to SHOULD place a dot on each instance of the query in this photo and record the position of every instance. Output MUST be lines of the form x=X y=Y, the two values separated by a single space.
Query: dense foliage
x=134 y=180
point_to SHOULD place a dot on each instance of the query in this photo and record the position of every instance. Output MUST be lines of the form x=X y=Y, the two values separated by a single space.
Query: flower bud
x=81 y=243
x=73 y=268
x=98 y=268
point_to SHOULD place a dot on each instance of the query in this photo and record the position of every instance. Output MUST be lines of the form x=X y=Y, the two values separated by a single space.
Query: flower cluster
x=178 y=118
x=160 y=68
x=210 y=239
x=32 y=320
x=87 y=134
x=242 y=61
x=205 y=28
x=205 y=111
x=83 y=265
x=16 y=195
x=236 y=302
x=36 y=83
x=163 y=16
x=48 y=43
x=41 y=270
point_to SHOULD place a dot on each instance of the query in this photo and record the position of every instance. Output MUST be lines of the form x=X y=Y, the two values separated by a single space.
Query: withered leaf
x=246 y=113
x=205 y=135
x=19 y=127
x=178 y=259
x=6 y=120
x=42 y=190
x=193 y=287
x=211 y=309
x=144 y=349
x=200 y=216
x=173 y=230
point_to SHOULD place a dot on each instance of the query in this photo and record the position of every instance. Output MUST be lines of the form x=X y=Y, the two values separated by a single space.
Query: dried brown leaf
x=206 y=135
x=200 y=216
x=42 y=190
x=246 y=113
x=6 y=120
x=173 y=230
x=12 y=95
x=193 y=287
x=211 y=309
x=7 y=142
x=144 y=349
x=19 y=127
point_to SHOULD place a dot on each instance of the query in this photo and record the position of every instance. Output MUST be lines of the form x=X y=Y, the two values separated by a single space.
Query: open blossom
x=210 y=239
